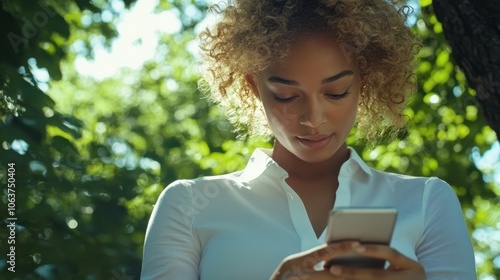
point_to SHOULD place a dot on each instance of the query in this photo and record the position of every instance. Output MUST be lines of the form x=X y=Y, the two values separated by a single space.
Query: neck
x=297 y=168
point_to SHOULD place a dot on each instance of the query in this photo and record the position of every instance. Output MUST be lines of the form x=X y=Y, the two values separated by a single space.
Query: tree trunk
x=472 y=29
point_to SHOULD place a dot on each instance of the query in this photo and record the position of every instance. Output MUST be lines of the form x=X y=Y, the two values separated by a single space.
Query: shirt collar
x=355 y=163
x=261 y=161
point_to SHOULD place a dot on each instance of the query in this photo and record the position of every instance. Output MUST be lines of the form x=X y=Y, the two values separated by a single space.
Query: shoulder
x=424 y=190
x=185 y=189
x=395 y=182
x=412 y=181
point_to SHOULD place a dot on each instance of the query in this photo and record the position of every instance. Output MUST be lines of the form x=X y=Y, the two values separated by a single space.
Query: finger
x=396 y=259
x=309 y=275
x=367 y=273
x=357 y=273
x=330 y=251
x=310 y=258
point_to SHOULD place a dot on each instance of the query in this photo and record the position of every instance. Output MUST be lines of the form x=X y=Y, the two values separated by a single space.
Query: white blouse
x=242 y=225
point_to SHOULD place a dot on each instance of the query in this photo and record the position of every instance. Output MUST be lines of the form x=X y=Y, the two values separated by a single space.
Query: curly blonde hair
x=252 y=35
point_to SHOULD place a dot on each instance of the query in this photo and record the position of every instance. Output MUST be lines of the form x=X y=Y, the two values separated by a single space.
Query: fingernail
x=336 y=270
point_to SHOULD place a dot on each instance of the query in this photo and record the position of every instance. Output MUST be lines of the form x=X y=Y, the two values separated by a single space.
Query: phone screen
x=366 y=225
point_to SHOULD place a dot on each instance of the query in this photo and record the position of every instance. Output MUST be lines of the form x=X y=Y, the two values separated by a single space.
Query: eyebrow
x=333 y=78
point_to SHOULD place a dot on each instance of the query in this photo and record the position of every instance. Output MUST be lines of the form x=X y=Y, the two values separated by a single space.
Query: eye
x=283 y=100
x=338 y=96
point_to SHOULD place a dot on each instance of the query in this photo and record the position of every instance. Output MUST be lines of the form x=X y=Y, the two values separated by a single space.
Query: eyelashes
x=290 y=99
x=338 y=96
x=283 y=100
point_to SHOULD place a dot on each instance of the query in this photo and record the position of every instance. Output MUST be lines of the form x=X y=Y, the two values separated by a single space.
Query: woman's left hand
x=400 y=267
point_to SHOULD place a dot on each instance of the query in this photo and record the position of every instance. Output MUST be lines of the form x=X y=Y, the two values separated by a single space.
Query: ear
x=252 y=82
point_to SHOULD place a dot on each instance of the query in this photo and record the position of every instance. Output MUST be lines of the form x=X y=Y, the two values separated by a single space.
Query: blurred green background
x=92 y=152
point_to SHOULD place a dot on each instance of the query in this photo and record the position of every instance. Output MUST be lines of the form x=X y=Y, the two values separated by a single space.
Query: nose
x=314 y=114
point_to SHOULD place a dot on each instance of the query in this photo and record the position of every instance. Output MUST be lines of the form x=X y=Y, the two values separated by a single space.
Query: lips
x=315 y=142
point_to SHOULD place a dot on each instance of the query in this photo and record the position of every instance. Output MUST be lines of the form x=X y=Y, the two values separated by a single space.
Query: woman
x=306 y=72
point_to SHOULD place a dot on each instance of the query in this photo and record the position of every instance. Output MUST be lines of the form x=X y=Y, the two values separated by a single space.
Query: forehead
x=316 y=51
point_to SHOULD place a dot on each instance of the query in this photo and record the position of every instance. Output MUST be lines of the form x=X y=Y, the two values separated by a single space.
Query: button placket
x=300 y=219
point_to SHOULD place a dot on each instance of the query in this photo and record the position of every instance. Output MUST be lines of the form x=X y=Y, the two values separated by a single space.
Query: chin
x=315 y=156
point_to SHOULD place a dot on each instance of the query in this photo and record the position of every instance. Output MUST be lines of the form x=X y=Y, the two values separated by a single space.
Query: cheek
x=352 y=114
x=282 y=115
x=344 y=114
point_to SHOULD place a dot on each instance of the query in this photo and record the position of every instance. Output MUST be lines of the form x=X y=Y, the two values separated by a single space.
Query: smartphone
x=365 y=225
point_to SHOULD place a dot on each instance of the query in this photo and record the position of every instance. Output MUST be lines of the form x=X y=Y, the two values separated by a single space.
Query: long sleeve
x=445 y=248
x=170 y=251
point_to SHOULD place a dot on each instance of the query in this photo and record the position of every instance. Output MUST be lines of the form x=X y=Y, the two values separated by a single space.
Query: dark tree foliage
x=37 y=33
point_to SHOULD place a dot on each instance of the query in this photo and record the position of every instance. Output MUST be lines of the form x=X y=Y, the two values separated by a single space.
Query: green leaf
x=59 y=25
x=425 y=3
x=51 y=63
x=33 y=97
